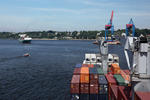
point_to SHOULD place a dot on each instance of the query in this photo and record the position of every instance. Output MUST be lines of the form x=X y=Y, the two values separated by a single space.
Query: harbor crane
x=129 y=27
x=109 y=27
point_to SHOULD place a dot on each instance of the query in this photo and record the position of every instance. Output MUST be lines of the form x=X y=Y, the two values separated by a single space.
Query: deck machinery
x=129 y=27
x=109 y=27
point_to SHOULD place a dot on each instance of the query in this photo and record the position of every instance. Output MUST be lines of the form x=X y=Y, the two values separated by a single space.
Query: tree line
x=73 y=35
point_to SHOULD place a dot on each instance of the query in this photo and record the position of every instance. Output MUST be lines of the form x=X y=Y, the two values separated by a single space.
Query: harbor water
x=47 y=73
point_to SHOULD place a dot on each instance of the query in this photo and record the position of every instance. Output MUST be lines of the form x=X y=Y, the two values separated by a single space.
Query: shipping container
x=75 y=84
x=84 y=96
x=142 y=95
x=124 y=93
x=77 y=71
x=120 y=80
x=103 y=88
x=88 y=65
x=111 y=81
x=93 y=76
x=84 y=70
x=115 y=68
x=97 y=65
x=125 y=76
x=84 y=75
x=75 y=96
x=93 y=97
x=84 y=65
x=113 y=94
x=84 y=78
x=93 y=88
x=100 y=71
x=127 y=71
x=84 y=88
x=103 y=85
x=78 y=65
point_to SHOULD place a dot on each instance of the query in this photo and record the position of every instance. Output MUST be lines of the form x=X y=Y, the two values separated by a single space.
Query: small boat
x=26 y=55
x=95 y=42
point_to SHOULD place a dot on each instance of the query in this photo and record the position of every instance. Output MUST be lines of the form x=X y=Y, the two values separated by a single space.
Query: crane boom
x=111 y=17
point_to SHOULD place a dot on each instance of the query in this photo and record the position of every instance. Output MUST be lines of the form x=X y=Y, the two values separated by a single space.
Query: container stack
x=93 y=84
x=103 y=88
x=118 y=81
x=88 y=83
x=84 y=80
x=75 y=83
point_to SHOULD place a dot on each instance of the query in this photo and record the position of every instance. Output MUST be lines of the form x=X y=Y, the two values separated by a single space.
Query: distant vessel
x=24 y=38
x=95 y=42
x=26 y=55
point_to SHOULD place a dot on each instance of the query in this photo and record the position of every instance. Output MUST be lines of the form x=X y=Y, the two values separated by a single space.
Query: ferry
x=24 y=38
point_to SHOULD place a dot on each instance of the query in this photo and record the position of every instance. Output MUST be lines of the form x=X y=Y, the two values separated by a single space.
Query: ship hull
x=25 y=41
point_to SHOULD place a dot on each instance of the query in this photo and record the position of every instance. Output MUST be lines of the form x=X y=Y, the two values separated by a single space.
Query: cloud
x=55 y=10
x=137 y=14
x=66 y=10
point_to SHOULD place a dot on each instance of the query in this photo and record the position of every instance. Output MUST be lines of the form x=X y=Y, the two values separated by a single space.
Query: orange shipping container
x=115 y=68
x=84 y=77
x=84 y=70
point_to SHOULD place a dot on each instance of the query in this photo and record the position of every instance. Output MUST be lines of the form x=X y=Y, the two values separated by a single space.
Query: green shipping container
x=120 y=80
x=100 y=71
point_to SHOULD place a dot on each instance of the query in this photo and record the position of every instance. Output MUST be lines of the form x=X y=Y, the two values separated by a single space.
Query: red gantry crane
x=109 y=27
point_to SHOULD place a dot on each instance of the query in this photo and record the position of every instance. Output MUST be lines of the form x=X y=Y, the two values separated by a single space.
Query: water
x=46 y=74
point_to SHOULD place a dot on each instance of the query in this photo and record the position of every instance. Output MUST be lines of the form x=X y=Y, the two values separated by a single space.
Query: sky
x=70 y=15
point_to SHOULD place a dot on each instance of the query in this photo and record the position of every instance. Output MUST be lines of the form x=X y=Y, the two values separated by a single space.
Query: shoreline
x=60 y=39
x=46 y=39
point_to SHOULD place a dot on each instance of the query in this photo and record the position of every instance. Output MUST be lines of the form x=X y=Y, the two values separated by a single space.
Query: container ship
x=100 y=77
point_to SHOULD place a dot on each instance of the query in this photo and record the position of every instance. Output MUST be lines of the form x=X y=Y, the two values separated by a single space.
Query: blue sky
x=70 y=15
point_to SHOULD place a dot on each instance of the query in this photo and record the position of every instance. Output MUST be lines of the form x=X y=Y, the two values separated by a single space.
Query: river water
x=47 y=73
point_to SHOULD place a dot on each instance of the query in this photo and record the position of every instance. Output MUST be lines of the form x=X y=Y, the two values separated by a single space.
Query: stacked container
x=88 y=65
x=77 y=71
x=113 y=92
x=93 y=84
x=84 y=80
x=100 y=71
x=111 y=81
x=78 y=65
x=120 y=80
x=103 y=88
x=75 y=87
x=124 y=93
x=127 y=71
x=115 y=69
